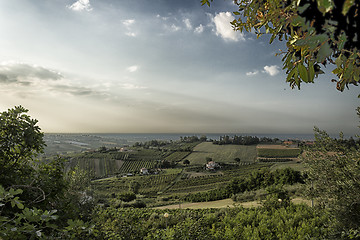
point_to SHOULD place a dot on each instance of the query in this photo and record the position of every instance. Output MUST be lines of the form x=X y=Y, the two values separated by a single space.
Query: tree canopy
x=317 y=33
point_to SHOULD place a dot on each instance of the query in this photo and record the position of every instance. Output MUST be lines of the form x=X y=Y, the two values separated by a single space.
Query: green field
x=177 y=156
x=149 y=185
x=109 y=163
x=212 y=181
x=278 y=153
x=222 y=153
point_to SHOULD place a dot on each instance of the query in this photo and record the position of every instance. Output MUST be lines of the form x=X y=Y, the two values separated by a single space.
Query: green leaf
x=325 y=5
x=338 y=61
x=303 y=73
x=292 y=73
x=347 y=5
x=311 y=72
x=324 y=52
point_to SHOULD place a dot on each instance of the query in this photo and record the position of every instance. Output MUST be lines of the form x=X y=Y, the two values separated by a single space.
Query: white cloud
x=272 y=70
x=252 y=73
x=130 y=34
x=133 y=68
x=81 y=5
x=132 y=86
x=174 y=28
x=128 y=22
x=187 y=23
x=224 y=29
x=199 y=29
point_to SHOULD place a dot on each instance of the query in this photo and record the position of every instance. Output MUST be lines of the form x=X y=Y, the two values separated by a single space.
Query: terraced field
x=212 y=181
x=277 y=153
x=149 y=185
x=222 y=153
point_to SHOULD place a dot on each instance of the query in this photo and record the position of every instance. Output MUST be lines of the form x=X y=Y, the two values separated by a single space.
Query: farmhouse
x=211 y=165
x=144 y=171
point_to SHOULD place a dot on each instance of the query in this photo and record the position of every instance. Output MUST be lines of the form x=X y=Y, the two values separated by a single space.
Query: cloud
x=174 y=28
x=130 y=34
x=25 y=74
x=252 y=73
x=223 y=27
x=187 y=23
x=128 y=23
x=74 y=90
x=132 y=86
x=133 y=68
x=29 y=81
x=81 y=5
x=199 y=29
x=272 y=70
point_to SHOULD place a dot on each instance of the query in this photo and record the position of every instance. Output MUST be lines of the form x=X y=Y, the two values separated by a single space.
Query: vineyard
x=222 y=153
x=278 y=153
x=135 y=166
x=112 y=162
x=177 y=156
x=148 y=185
x=207 y=182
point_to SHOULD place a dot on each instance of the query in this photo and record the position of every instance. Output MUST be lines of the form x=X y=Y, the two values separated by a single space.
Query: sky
x=160 y=66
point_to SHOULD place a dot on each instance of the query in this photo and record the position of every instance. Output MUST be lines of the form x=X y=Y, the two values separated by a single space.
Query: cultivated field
x=221 y=153
x=277 y=153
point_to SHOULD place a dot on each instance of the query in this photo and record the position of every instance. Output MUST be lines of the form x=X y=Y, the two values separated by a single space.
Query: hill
x=222 y=153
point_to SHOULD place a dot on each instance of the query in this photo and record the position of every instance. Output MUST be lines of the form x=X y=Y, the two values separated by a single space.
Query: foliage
x=127 y=196
x=31 y=191
x=334 y=180
x=238 y=140
x=316 y=32
x=276 y=198
x=256 y=180
x=290 y=222
x=34 y=223
x=20 y=142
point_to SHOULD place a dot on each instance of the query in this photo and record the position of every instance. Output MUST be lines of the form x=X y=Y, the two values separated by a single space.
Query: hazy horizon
x=162 y=67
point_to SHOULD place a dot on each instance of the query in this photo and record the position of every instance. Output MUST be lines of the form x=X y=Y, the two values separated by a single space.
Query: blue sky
x=155 y=66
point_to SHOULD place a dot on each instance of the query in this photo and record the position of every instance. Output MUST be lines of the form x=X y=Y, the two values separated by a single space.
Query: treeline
x=152 y=143
x=238 y=140
x=256 y=180
x=192 y=139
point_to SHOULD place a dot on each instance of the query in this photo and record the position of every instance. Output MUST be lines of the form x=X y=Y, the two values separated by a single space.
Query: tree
x=186 y=162
x=20 y=142
x=317 y=33
x=334 y=181
x=134 y=186
x=32 y=191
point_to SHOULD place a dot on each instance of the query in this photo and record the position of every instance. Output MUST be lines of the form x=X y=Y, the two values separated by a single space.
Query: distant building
x=144 y=171
x=123 y=150
x=211 y=165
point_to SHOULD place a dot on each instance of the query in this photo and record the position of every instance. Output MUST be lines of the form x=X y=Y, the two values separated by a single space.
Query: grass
x=294 y=165
x=221 y=153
